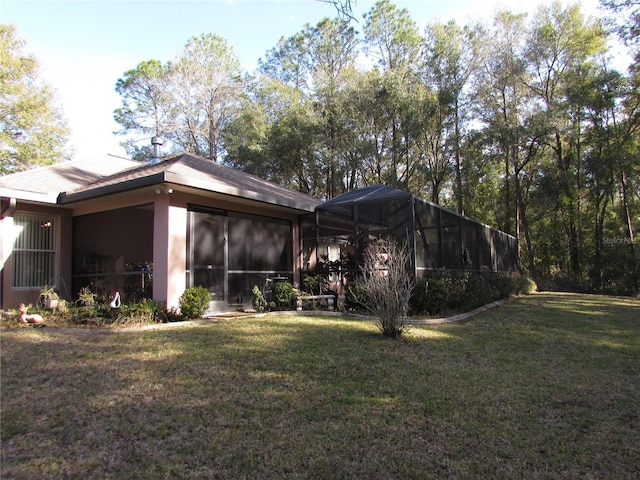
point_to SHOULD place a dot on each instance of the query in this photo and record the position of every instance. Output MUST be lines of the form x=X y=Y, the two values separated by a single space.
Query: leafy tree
x=451 y=56
x=626 y=22
x=32 y=129
x=332 y=56
x=627 y=135
x=206 y=86
x=503 y=103
x=436 y=164
x=189 y=101
x=245 y=139
x=605 y=165
x=288 y=62
x=368 y=124
x=275 y=137
x=392 y=38
x=560 y=46
x=145 y=104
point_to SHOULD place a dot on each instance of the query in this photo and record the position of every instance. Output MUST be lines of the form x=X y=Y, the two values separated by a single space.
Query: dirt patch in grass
x=545 y=386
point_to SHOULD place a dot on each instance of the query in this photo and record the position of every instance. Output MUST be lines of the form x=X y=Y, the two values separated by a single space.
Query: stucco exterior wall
x=169 y=251
x=10 y=296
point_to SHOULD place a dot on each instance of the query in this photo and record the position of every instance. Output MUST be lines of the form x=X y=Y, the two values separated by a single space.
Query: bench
x=330 y=299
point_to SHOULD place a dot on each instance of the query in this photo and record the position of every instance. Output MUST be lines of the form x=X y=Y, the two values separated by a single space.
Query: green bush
x=102 y=310
x=419 y=297
x=80 y=315
x=461 y=291
x=145 y=311
x=429 y=296
x=283 y=294
x=86 y=297
x=354 y=292
x=313 y=283
x=258 y=301
x=194 y=302
x=436 y=296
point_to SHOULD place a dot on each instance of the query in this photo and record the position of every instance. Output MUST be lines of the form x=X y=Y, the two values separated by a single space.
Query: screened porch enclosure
x=113 y=252
x=438 y=238
x=231 y=252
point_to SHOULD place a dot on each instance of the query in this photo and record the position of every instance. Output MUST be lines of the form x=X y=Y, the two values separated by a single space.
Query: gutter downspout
x=11 y=207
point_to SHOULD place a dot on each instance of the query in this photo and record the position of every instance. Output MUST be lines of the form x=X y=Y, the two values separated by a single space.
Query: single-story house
x=108 y=223
x=155 y=229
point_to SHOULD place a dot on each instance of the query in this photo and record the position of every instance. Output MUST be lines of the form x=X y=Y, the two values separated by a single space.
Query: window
x=34 y=251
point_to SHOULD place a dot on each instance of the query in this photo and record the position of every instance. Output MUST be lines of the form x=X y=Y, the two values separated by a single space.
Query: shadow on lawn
x=530 y=389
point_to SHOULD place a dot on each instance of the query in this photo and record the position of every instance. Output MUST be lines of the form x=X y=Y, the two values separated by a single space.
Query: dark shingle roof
x=46 y=183
x=196 y=172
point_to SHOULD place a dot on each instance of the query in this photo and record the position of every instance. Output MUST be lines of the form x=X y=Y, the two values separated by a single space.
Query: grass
x=545 y=386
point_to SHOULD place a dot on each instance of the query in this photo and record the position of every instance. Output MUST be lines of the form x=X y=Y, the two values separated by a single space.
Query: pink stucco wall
x=12 y=297
x=169 y=251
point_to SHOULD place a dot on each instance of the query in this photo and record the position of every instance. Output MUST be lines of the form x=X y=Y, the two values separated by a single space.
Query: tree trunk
x=628 y=221
x=457 y=158
x=601 y=209
x=524 y=223
x=568 y=207
x=506 y=227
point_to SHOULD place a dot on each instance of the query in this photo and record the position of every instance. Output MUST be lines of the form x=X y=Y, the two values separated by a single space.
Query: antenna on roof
x=156 y=142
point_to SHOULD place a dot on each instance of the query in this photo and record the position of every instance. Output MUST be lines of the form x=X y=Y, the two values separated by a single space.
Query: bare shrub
x=385 y=284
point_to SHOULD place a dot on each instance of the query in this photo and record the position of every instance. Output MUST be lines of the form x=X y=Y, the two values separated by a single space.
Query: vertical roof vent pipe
x=156 y=142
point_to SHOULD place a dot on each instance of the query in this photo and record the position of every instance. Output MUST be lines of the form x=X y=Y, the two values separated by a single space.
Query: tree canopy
x=188 y=101
x=32 y=129
x=521 y=123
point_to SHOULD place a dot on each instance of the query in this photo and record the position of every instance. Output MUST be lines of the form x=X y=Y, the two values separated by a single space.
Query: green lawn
x=545 y=386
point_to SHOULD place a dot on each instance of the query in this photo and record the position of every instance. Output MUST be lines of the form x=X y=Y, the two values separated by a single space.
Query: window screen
x=34 y=251
x=259 y=243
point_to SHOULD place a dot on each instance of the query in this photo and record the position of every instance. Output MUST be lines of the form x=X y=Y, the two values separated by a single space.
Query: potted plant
x=49 y=298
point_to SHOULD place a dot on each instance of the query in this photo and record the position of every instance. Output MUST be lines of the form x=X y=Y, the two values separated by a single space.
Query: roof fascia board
x=235 y=192
x=29 y=196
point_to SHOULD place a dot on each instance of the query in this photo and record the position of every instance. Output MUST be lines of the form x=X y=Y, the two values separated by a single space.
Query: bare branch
x=385 y=285
x=344 y=8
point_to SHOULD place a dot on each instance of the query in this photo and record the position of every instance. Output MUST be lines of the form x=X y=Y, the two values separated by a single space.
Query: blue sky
x=84 y=46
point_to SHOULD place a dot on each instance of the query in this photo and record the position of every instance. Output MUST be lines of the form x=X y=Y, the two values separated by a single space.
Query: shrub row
x=450 y=291
x=91 y=310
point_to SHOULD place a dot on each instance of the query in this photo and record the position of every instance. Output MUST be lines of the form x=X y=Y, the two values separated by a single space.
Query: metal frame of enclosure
x=438 y=237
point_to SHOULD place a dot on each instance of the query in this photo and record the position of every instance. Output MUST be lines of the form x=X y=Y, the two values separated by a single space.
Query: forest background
x=522 y=123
